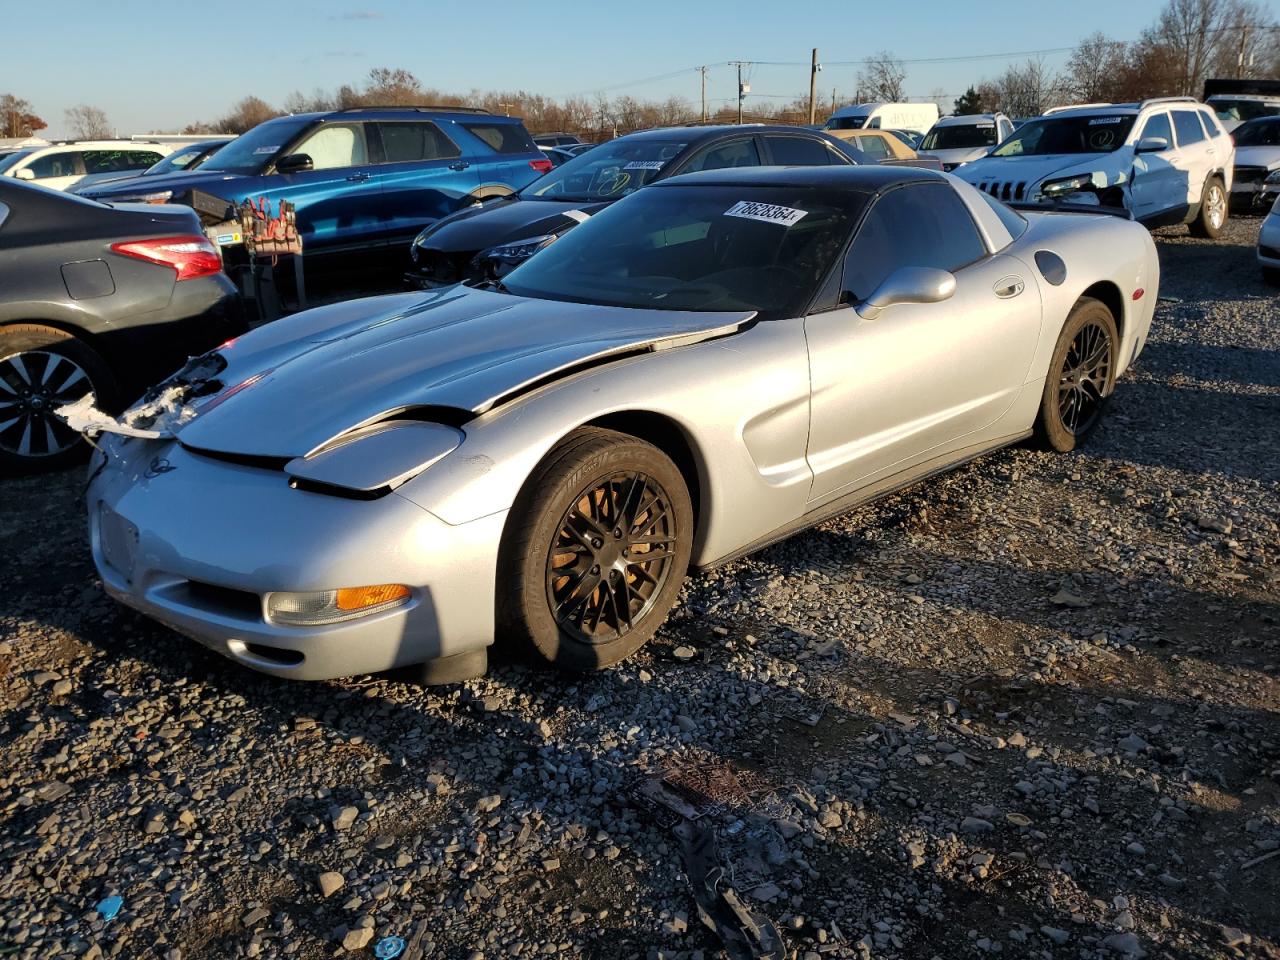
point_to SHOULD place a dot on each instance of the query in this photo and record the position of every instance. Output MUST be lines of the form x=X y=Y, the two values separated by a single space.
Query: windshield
x=185 y=159
x=248 y=154
x=1237 y=110
x=704 y=249
x=846 y=123
x=1264 y=134
x=8 y=160
x=1047 y=135
x=606 y=172
x=962 y=136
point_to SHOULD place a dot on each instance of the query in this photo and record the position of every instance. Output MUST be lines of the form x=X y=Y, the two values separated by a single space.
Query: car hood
x=293 y=385
x=179 y=182
x=958 y=155
x=1034 y=169
x=1257 y=157
x=477 y=228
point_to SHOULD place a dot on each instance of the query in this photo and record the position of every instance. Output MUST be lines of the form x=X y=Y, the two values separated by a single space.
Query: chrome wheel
x=32 y=385
x=1216 y=206
x=1085 y=374
x=611 y=556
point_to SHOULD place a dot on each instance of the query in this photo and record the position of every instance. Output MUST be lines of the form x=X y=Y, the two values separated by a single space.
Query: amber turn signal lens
x=357 y=598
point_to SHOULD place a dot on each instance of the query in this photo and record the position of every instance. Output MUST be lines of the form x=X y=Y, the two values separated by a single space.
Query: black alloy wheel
x=611 y=557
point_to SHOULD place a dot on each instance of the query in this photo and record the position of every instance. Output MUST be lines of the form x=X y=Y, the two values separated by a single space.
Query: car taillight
x=189 y=256
x=542 y=166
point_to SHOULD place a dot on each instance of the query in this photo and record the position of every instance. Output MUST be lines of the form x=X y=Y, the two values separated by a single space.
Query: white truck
x=918 y=117
x=1236 y=101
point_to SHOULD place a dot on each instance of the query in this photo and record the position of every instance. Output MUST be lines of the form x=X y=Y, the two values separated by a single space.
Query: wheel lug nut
x=618 y=533
x=595 y=570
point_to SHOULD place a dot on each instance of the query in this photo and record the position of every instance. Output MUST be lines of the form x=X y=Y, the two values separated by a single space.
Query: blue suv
x=360 y=178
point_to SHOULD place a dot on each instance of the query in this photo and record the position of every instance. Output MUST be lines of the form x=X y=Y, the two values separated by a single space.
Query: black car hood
x=480 y=227
x=179 y=182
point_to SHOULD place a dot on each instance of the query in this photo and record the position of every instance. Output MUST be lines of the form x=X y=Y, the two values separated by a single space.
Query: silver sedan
x=706 y=367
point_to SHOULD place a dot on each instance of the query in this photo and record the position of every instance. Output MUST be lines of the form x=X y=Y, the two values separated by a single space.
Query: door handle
x=358 y=177
x=459 y=165
x=1008 y=287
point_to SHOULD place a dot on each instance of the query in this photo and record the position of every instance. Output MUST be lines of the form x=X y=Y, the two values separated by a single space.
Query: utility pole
x=743 y=89
x=813 y=85
x=703 y=71
x=833 y=99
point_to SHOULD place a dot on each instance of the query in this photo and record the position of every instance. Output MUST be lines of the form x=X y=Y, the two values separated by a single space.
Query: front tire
x=595 y=552
x=42 y=368
x=1081 y=378
x=1213 y=210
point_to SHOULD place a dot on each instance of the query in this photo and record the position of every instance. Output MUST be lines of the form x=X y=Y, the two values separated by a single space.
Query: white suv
x=81 y=162
x=960 y=140
x=1165 y=161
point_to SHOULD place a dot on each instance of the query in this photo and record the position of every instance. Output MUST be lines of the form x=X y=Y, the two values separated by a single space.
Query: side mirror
x=26 y=173
x=1151 y=145
x=294 y=163
x=909 y=285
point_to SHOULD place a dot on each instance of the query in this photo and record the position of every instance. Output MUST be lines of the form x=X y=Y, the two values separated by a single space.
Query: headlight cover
x=1273 y=177
x=1058 y=189
x=519 y=250
x=160 y=196
x=375 y=459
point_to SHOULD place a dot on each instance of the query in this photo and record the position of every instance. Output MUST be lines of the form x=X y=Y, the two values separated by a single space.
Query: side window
x=504 y=137
x=141 y=159
x=336 y=145
x=1158 y=126
x=65 y=164
x=735 y=153
x=922 y=225
x=1188 y=127
x=1210 y=123
x=407 y=142
x=874 y=147
x=798 y=151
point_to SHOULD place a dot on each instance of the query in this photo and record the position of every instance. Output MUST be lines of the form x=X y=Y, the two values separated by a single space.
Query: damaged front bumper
x=198 y=543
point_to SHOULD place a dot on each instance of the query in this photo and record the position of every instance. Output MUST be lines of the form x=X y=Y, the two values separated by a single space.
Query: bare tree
x=246 y=115
x=882 y=78
x=1248 y=42
x=16 y=118
x=1189 y=32
x=1028 y=90
x=88 y=123
x=1095 y=71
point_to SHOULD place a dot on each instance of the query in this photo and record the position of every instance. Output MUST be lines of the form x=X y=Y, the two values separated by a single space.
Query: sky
x=154 y=67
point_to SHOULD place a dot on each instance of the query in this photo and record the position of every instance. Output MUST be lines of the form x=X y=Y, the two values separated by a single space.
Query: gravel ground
x=1031 y=708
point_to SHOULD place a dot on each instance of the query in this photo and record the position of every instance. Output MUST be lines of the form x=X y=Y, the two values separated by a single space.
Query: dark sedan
x=96 y=298
x=486 y=241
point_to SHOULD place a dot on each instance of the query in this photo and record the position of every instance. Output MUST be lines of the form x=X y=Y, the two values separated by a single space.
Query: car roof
x=868 y=178
x=699 y=133
x=400 y=113
x=96 y=145
x=968 y=119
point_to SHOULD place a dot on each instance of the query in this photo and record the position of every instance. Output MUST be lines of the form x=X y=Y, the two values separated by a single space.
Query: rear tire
x=1213 y=210
x=595 y=552
x=1081 y=378
x=42 y=368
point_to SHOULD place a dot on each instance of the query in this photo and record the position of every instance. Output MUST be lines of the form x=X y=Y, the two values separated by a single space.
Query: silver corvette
x=706 y=367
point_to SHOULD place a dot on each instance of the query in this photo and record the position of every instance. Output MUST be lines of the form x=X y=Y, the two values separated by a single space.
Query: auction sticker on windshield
x=645 y=165
x=1100 y=120
x=767 y=212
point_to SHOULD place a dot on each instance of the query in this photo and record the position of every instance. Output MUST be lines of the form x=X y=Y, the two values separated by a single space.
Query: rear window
x=799 y=152
x=873 y=147
x=504 y=137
